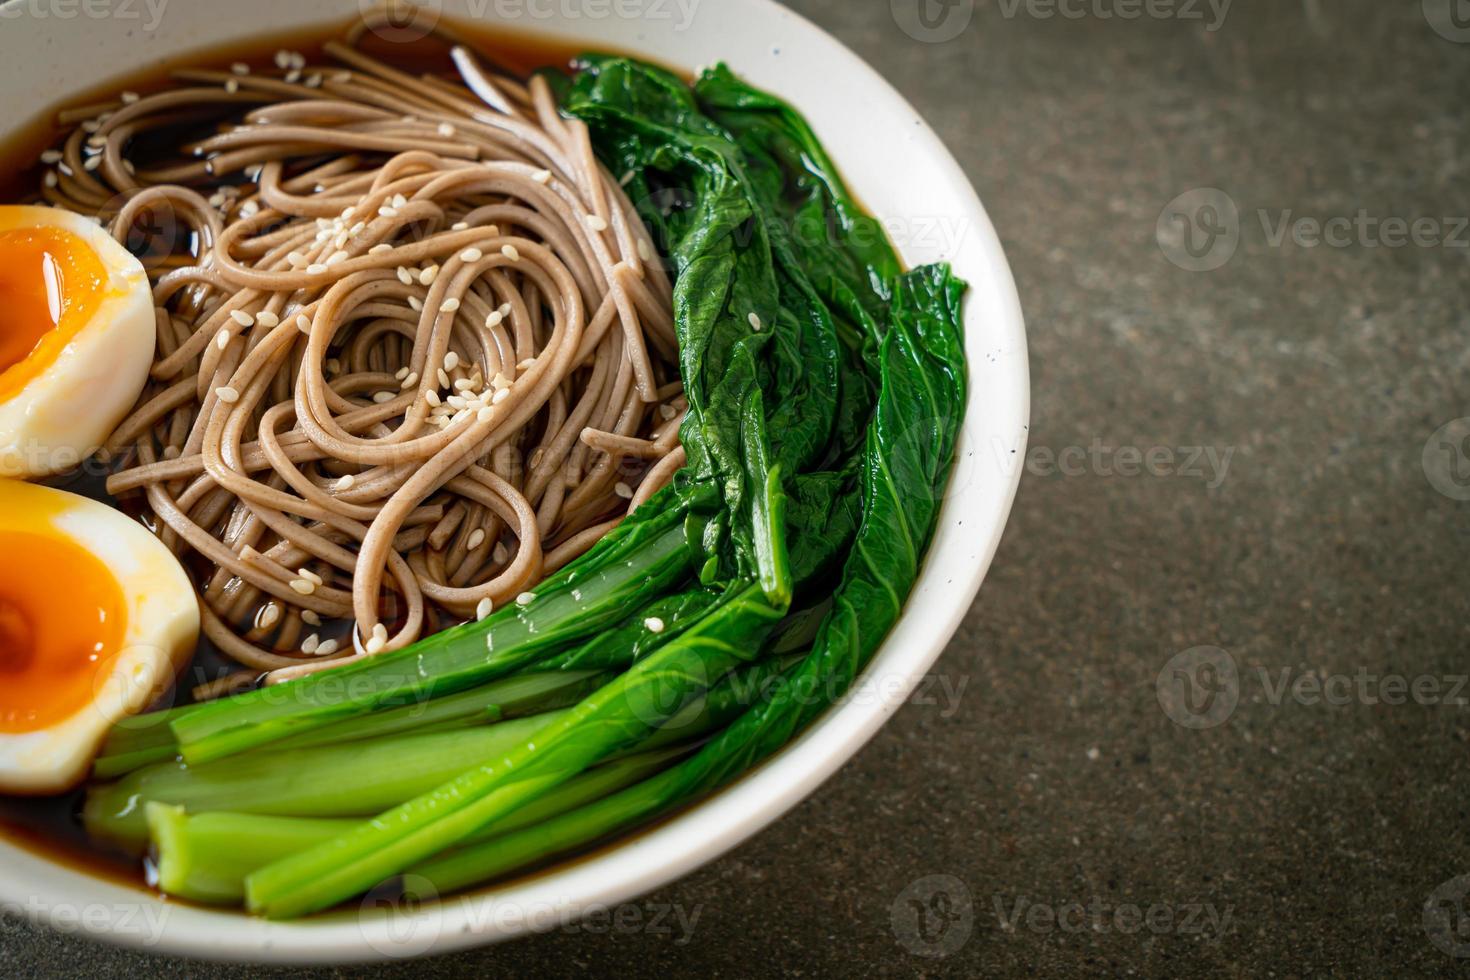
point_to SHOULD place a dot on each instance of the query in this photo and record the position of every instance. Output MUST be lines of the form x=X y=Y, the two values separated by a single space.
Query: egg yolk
x=62 y=621
x=51 y=284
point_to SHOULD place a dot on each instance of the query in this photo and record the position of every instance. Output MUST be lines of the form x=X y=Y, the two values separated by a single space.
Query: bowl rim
x=626 y=869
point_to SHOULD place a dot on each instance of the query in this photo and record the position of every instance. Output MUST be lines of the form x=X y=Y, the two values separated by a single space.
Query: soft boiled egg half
x=77 y=331
x=96 y=619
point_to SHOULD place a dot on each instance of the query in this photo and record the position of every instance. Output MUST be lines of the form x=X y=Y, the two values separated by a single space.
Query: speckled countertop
x=1166 y=740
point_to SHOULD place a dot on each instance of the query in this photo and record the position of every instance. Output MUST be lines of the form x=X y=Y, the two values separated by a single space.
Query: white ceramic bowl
x=896 y=166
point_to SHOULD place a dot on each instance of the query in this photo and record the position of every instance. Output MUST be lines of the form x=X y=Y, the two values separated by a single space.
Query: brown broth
x=51 y=826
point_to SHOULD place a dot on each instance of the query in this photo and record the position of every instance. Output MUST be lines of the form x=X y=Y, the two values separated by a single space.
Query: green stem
x=635 y=562
x=349 y=779
x=618 y=715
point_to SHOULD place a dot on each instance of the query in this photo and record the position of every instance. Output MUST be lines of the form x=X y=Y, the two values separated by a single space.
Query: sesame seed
x=450 y=305
x=267 y=320
x=428 y=275
x=485 y=414
x=667 y=412
x=338 y=256
x=499 y=381
x=232 y=86
x=346 y=482
x=623 y=490
x=51 y=156
x=268 y=616
x=500 y=396
x=457 y=401
x=432 y=397
x=309 y=575
x=645 y=250
x=471 y=255
x=227 y=395
x=293 y=76
x=375 y=645
x=476 y=539
x=755 y=322
x=443 y=378
x=91 y=163
x=310 y=618
x=309 y=645
x=654 y=624
x=384 y=396
x=451 y=361
x=283 y=59
x=415 y=304
x=327 y=648
x=97 y=142
x=302 y=586
x=484 y=608
x=313 y=81
x=504 y=309
x=380 y=632
x=399 y=201
x=596 y=223
x=493 y=320
x=65 y=170
x=460 y=226
x=525 y=598
x=387 y=212
x=510 y=252
x=316 y=269
x=50 y=180
x=409 y=381
x=380 y=249
x=222 y=339
x=342 y=77
x=404 y=276
x=303 y=323
x=500 y=554
x=401 y=373
x=240 y=68
x=445 y=129
x=541 y=176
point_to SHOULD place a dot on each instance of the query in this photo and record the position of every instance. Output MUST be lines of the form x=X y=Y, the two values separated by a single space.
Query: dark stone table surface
x=1197 y=722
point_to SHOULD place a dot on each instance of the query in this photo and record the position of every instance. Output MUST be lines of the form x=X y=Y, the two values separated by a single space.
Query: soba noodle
x=416 y=354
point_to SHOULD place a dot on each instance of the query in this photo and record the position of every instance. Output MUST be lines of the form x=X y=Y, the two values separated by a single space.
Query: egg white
x=68 y=410
x=161 y=633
